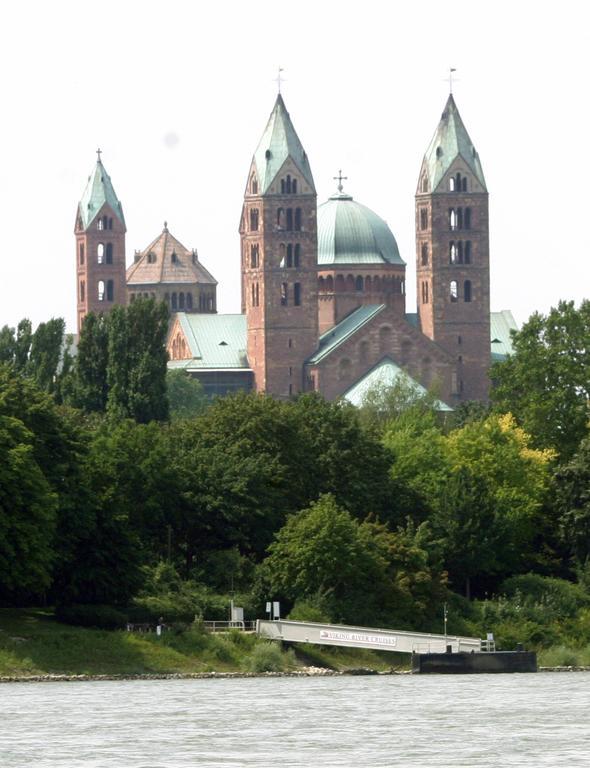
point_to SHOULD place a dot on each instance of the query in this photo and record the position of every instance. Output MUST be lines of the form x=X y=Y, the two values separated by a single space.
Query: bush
x=556 y=597
x=310 y=610
x=97 y=616
x=268 y=657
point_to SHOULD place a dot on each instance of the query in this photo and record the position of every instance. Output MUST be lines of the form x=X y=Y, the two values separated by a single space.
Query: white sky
x=177 y=94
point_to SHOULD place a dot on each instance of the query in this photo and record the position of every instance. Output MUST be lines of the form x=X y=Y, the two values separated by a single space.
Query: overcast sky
x=177 y=94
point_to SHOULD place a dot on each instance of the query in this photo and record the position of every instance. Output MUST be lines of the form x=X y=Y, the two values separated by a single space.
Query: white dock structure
x=364 y=637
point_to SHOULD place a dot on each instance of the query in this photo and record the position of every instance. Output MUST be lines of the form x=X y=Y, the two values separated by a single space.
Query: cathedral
x=323 y=287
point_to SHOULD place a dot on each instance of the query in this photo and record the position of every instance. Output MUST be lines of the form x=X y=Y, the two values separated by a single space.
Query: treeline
x=121 y=485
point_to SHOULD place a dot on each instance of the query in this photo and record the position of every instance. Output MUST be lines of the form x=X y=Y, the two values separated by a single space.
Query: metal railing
x=225 y=626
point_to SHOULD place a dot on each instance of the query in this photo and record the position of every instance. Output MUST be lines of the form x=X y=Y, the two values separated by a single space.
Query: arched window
x=424 y=254
x=110 y=223
x=294 y=186
x=467 y=290
x=81 y=251
x=109 y=253
x=298 y=219
x=151 y=257
x=100 y=253
x=82 y=290
x=297 y=255
x=364 y=351
x=297 y=294
x=322 y=285
x=330 y=284
x=110 y=290
x=100 y=224
x=284 y=294
x=254 y=185
x=384 y=339
x=256 y=292
x=452 y=252
x=423 y=218
x=468 y=218
x=453 y=295
x=290 y=255
x=464 y=184
x=460 y=252
x=458 y=182
x=358 y=283
x=174 y=301
x=254 y=255
x=254 y=219
x=468 y=252
x=452 y=184
x=181 y=300
x=344 y=369
x=280 y=218
x=101 y=290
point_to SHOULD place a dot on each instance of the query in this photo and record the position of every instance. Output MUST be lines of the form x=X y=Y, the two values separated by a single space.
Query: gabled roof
x=166 y=260
x=501 y=323
x=385 y=374
x=99 y=191
x=344 y=330
x=215 y=341
x=278 y=143
x=351 y=233
x=449 y=142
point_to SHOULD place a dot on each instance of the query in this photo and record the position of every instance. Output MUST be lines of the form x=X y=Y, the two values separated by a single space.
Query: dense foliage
x=109 y=497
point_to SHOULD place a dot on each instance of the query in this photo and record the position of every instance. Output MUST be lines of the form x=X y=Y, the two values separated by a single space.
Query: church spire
x=99 y=190
x=279 y=143
x=449 y=143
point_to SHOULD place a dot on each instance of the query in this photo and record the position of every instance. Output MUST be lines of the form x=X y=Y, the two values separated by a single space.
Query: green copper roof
x=501 y=323
x=351 y=233
x=450 y=141
x=383 y=375
x=333 y=338
x=278 y=143
x=215 y=341
x=99 y=191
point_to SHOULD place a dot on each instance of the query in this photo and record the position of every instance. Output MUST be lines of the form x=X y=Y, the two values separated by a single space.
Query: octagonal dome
x=351 y=233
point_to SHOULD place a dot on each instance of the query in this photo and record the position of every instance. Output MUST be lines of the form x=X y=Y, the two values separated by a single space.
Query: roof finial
x=99 y=153
x=165 y=226
x=340 y=178
x=279 y=79
x=451 y=70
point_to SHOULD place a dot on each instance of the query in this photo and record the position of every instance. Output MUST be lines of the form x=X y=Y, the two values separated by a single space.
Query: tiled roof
x=384 y=374
x=215 y=341
x=450 y=141
x=99 y=191
x=279 y=142
x=166 y=260
x=501 y=323
x=344 y=330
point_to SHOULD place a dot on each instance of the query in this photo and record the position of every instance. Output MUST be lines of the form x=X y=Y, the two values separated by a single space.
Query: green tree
x=572 y=503
x=186 y=395
x=45 y=354
x=89 y=389
x=546 y=382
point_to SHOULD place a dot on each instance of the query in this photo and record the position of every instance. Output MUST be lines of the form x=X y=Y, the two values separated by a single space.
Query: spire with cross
x=340 y=178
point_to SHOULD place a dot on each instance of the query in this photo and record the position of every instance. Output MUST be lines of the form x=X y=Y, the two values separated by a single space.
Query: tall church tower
x=452 y=253
x=100 y=246
x=279 y=259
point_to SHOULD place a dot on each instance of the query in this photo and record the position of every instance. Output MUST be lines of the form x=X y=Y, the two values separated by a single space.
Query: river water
x=444 y=721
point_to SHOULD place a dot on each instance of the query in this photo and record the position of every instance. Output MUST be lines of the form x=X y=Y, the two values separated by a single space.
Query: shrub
x=267 y=657
x=98 y=616
x=555 y=596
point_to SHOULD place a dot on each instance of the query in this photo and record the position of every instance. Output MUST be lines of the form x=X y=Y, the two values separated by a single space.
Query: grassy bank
x=32 y=642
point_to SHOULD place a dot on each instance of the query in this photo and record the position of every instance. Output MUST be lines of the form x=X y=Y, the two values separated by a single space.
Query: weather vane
x=340 y=178
x=279 y=79
x=451 y=70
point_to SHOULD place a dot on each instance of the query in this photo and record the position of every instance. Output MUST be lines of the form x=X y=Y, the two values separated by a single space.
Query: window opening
x=101 y=290
x=284 y=294
x=100 y=253
x=109 y=258
x=453 y=291
x=297 y=294
x=110 y=290
x=467 y=290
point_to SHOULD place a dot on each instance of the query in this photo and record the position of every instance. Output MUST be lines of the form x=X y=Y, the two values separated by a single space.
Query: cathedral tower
x=452 y=253
x=100 y=246
x=279 y=259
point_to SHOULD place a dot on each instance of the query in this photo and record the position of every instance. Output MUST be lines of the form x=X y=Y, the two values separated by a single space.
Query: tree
x=89 y=389
x=545 y=384
x=572 y=483
x=357 y=572
x=186 y=395
x=46 y=353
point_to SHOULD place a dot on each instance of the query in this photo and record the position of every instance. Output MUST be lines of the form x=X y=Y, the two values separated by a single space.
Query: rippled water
x=444 y=721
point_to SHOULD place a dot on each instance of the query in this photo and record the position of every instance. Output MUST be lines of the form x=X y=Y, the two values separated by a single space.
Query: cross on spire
x=99 y=153
x=279 y=79
x=340 y=178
